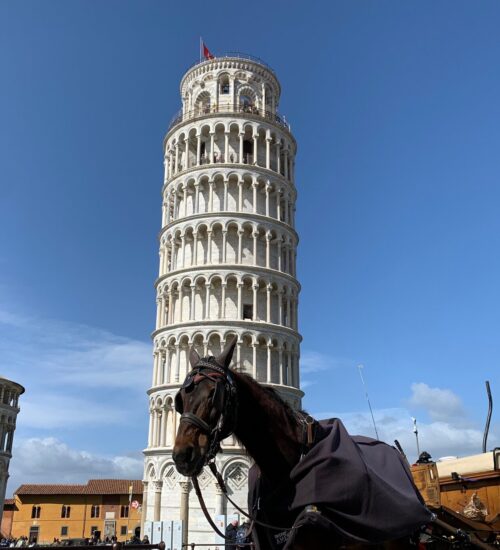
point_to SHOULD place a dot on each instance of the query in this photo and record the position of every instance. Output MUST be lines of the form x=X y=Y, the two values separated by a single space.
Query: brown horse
x=215 y=401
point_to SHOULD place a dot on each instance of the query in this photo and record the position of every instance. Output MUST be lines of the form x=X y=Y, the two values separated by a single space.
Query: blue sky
x=395 y=109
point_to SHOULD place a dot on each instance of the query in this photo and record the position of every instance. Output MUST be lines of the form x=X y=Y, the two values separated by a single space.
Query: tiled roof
x=93 y=487
x=113 y=487
x=9 y=502
x=45 y=489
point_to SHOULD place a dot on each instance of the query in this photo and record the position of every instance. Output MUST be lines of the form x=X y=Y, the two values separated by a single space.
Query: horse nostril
x=185 y=455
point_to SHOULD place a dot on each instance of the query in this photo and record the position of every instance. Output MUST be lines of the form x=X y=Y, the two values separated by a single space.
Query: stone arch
x=231 y=297
x=246 y=353
x=182 y=367
x=217 y=252
x=232 y=242
x=247 y=244
x=219 y=141
x=261 y=357
x=275 y=363
x=216 y=296
x=150 y=472
x=246 y=99
x=203 y=193
x=171 y=422
x=203 y=103
x=200 y=296
x=198 y=343
x=214 y=341
x=224 y=84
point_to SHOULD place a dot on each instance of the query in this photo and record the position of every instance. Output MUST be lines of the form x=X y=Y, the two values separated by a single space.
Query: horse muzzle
x=189 y=461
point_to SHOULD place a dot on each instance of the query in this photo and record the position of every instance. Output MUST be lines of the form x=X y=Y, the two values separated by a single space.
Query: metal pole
x=415 y=431
x=368 y=399
x=488 y=419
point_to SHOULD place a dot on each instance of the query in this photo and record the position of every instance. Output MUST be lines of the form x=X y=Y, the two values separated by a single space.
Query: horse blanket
x=362 y=486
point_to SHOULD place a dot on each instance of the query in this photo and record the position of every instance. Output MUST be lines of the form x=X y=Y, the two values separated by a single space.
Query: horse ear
x=224 y=359
x=194 y=358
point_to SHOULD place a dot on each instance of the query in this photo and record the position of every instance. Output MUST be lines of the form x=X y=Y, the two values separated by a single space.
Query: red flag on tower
x=207 y=54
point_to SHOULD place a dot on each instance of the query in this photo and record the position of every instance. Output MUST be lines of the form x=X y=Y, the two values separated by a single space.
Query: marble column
x=157 y=502
x=185 y=487
x=144 y=506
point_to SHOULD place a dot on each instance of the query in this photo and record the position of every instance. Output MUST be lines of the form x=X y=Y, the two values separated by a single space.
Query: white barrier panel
x=157 y=532
x=167 y=534
x=220 y=521
x=148 y=530
x=177 y=535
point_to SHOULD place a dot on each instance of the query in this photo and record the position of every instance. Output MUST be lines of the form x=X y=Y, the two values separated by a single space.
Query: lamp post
x=415 y=431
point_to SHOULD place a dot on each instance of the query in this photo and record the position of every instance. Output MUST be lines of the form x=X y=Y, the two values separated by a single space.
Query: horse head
x=207 y=405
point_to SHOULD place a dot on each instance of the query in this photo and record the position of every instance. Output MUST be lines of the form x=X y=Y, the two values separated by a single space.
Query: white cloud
x=49 y=460
x=439 y=438
x=441 y=404
x=74 y=375
x=43 y=349
x=52 y=410
x=313 y=361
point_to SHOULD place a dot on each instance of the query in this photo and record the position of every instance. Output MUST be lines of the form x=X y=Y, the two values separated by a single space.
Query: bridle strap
x=197 y=421
x=214 y=433
x=222 y=485
x=196 y=486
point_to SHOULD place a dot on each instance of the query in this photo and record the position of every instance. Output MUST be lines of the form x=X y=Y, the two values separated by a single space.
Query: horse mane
x=273 y=395
x=272 y=423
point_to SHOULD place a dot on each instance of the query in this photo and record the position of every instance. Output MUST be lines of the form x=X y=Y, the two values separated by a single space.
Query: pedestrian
x=243 y=535
x=231 y=531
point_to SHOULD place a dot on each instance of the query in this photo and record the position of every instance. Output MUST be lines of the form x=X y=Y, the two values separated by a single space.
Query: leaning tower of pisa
x=227 y=266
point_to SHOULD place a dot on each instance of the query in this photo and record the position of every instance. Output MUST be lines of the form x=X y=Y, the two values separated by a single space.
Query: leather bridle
x=223 y=401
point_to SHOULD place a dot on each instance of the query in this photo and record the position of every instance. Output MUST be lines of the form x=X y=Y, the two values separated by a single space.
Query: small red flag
x=206 y=52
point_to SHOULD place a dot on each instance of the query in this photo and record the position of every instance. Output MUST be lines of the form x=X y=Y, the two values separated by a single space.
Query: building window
x=34 y=533
x=246 y=103
x=247 y=311
x=93 y=529
x=65 y=511
x=64 y=531
x=35 y=512
x=123 y=530
x=124 y=511
x=95 y=511
x=224 y=85
x=247 y=152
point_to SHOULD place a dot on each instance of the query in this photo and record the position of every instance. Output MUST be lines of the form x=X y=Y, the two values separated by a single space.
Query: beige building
x=48 y=512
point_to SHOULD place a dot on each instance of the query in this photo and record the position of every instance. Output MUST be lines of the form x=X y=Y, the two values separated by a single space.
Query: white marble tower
x=227 y=265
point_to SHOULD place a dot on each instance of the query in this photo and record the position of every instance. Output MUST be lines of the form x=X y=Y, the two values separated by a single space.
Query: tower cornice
x=249 y=271
x=187 y=118
x=232 y=168
x=223 y=324
x=232 y=216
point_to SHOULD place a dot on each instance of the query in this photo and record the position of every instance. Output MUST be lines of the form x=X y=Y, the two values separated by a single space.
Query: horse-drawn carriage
x=464 y=494
x=313 y=486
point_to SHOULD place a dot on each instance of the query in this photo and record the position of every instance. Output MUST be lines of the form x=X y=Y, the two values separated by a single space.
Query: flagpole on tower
x=201 y=46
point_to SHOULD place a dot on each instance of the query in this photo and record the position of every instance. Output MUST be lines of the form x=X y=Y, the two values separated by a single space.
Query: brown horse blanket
x=362 y=486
